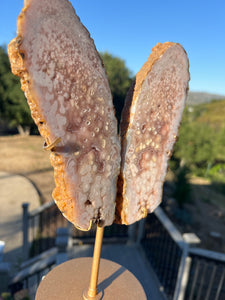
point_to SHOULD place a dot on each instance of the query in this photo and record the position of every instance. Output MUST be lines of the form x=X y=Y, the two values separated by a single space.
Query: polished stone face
x=70 y=100
x=154 y=113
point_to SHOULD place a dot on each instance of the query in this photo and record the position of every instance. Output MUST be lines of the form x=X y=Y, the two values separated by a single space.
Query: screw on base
x=86 y=296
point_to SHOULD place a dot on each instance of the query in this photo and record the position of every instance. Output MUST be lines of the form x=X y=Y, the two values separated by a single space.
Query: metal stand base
x=70 y=281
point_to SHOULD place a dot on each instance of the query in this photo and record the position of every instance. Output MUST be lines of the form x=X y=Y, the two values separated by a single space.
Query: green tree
x=200 y=145
x=13 y=105
x=195 y=145
x=120 y=79
x=183 y=188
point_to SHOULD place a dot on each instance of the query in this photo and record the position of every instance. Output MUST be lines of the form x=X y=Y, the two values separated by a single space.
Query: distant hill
x=195 y=98
x=211 y=113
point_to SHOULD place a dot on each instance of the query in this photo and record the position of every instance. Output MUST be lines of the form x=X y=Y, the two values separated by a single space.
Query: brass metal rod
x=92 y=291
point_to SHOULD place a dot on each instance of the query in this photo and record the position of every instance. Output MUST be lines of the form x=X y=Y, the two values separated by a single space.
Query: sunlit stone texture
x=149 y=128
x=68 y=93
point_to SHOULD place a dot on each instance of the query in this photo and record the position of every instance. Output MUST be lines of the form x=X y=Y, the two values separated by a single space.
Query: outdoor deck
x=152 y=244
x=132 y=258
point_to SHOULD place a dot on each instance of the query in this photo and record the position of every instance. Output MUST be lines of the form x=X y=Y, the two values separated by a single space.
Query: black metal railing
x=40 y=226
x=207 y=276
x=31 y=273
x=163 y=252
x=184 y=273
x=112 y=233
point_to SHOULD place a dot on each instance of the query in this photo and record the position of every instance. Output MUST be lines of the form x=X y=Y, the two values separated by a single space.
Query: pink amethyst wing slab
x=149 y=129
x=70 y=100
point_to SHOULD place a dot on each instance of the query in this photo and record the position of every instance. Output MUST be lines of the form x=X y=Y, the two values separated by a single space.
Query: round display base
x=70 y=281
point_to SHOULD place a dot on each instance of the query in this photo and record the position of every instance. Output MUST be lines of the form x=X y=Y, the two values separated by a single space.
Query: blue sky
x=129 y=29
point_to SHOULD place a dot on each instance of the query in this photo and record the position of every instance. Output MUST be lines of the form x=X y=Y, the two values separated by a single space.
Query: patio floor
x=132 y=258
